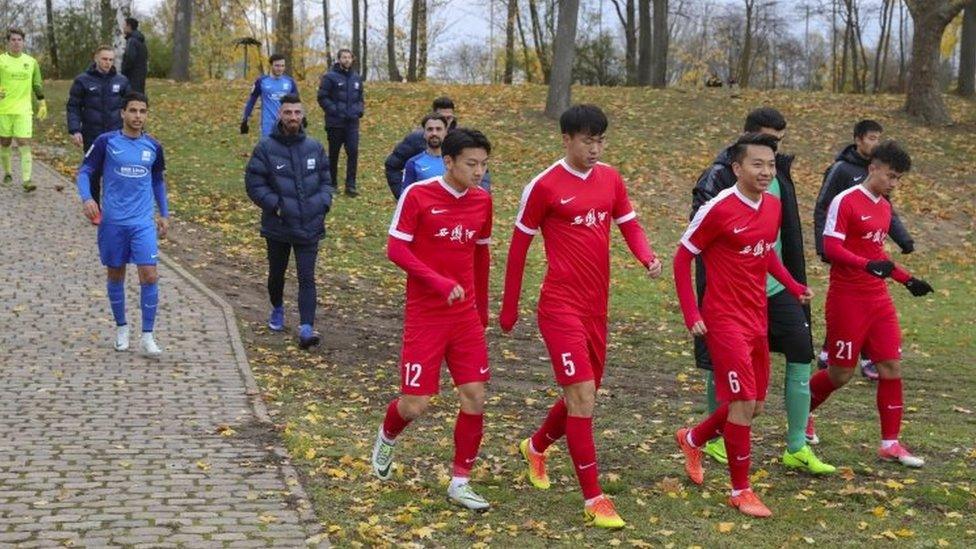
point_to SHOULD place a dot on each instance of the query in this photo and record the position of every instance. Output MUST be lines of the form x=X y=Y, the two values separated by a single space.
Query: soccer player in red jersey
x=573 y=203
x=735 y=233
x=439 y=235
x=859 y=311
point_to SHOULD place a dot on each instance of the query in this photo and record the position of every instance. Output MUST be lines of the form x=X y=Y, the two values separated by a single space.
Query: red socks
x=711 y=427
x=552 y=429
x=467 y=439
x=820 y=389
x=890 y=407
x=393 y=424
x=579 y=438
x=738 y=447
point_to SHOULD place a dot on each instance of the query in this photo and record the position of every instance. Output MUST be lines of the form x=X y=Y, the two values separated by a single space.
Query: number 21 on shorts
x=411 y=374
x=844 y=349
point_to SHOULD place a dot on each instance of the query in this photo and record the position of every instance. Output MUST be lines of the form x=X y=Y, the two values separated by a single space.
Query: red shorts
x=577 y=346
x=425 y=346
x=740 y=362
x=855 y=324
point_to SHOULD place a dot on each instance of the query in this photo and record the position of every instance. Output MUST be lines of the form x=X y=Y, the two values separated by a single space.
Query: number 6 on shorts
x=734 y=382
x=568 y=365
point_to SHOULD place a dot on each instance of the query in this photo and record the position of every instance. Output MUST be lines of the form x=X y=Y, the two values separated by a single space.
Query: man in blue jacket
x=269 y=88
x=429 y=162
x=95 y=104
x=341 y=97
x=288 y=178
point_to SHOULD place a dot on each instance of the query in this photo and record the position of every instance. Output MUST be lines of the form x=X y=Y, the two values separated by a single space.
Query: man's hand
x=880 y=268
x=918 y=287
x=654 y=268
x=42 y=110
x=806 y=296
x=90 y=208
x=908 y=248
x=77 y=139
x=457 y=294
x=698 y=329
x=162 y=226
x=244 y=128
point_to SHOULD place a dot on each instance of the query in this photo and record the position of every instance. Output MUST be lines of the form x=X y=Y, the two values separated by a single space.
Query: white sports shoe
x=122 y=338
x=465 y=496
x=382 y=459
x=148 y=345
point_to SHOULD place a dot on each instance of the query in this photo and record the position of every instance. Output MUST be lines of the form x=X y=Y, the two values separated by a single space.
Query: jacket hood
x=93 y=70
x=850 y=154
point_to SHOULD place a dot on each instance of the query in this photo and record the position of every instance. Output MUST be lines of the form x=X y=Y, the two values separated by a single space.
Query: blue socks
x=148 y=300
x=116 y=298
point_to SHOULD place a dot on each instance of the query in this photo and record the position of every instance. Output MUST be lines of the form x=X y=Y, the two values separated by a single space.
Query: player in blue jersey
x=429 y=162
x=270 y=88
x=131 y=165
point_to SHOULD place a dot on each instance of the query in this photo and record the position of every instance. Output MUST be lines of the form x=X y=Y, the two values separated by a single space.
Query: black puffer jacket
x=95 y=103
x=288 y=177
x=341 y=97
x=849 y=169
x=719 y=177
x=135 y=61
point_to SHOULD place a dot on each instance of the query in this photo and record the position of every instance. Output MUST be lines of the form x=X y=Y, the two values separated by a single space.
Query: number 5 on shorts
x=568 y=365
x=734 y=385
x=411 y=374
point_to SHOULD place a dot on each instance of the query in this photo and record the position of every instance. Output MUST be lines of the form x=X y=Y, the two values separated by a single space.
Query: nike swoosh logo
x=890 y=407
x=279 y=166
x=422 y=168
x=114 y=151
x=587 y=466
x=435 y=211
x=153 y=256
x=865 y=217
x=741 y=458
x=804 y=383
x=877 y=273
x=470 y=460
x=484 y=370
x=738 y=230
x=858 y=178
x=550 y=438
x=567 y=200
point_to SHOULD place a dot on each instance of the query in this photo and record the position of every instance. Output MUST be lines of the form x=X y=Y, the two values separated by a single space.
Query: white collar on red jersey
x=874 y=198
x=450 y=189
x=754 y=204
x=579 y=174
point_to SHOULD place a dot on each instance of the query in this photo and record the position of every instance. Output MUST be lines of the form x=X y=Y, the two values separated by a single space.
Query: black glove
x=918 y=287
x=880 y=268
x=909 y=247
x=244 y=128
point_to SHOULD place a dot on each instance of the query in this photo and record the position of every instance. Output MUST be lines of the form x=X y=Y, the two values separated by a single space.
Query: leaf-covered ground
x=328 y=403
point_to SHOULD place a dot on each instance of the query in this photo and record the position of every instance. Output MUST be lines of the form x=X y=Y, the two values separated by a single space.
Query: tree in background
x=924 y=97
x=180 y=69
x=564 y=51
x=659 y=51
x=285 y=32
x=967 y=54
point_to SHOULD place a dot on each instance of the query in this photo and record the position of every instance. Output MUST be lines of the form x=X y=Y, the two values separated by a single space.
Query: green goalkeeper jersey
x=20 y=76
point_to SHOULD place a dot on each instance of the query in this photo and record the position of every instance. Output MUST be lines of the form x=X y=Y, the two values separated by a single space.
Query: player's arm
x=159 y=190
x=899 y=233
x=252 y=100
x=257 y=181
x=398 y=251
x=91 y=166
x=75 y=106
x=834 y=235
x=409 y=174
x=776 y=268
x=37 y=85
x=294 y=88
x=626 y=220
x=831 y=186
x=324 y=95
x=482 y=267
x=686 y=294
x=532 y=210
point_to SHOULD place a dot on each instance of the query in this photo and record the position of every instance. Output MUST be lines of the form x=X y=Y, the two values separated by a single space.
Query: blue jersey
x=420 y=167
x=131 y=170
x=270 y=89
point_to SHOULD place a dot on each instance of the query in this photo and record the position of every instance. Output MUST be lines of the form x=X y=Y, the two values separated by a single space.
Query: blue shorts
x=122 y=244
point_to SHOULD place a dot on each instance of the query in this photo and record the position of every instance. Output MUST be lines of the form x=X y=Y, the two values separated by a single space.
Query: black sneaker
x=351 y=192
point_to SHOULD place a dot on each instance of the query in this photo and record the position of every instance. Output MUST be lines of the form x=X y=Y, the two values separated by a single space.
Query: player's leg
x=145 y=253
x=305 y=256
x=23 y=131
x=113 y=250
x=714 y=448
x=352 y=158
x=6 y=147
x=278 y=253
x=847 y=324
x=335 y=137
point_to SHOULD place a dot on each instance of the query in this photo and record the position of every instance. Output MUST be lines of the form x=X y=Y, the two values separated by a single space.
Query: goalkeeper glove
x=918 y=287
x=244 y=128
x=41 y=109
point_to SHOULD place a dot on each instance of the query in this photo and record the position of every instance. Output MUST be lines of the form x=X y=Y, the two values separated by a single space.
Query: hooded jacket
x=849 y=169
x=288 y=178
x=95 y=103
x=341 y=97
x=135 y=61
x=719 y=177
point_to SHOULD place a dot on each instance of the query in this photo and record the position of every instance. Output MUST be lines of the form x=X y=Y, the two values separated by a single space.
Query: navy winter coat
x=412 y=145
x=135 y=61
x=288 y=177
x=341 y=97
x=95 y=103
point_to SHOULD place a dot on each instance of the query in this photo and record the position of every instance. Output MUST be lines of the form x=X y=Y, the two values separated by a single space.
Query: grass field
x=329 y=402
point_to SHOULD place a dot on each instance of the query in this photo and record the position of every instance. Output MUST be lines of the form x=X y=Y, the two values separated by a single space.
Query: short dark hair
x=764 y=117
x=102 y=48
x=132 y=22
x=12 y=31
x=291 y=98
x=889 y=152
x=432 y=116
x=134 y=96
x=442 y=102
x=459 y=139
x=341 y=50
x=583 y=118
x=276 y=57
x=865 y=127
x=752 y=138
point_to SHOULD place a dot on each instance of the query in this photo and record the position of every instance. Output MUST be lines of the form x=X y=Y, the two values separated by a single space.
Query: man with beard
x=429 y=162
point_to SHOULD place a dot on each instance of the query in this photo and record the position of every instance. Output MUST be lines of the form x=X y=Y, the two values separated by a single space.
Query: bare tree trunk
x=881 y=54
x=833 y=46
x=285 y=31
x=422 y=40
x=182 y=21
x=745 y=58
x=365 y=62
x=107 y=15
x=52 y=44
x=863 y=78
x=627 y=21
x=564 y=52
x=659 y=60
x=510 y=41
x=924 y=97
x=645 y=44
x=391 y=61
x=327 y=31
x=412 y=58
x=843 y=59
x=902 y=67
x=967 y=53
x=356 y=33
x=538 y=37
x=526 y=61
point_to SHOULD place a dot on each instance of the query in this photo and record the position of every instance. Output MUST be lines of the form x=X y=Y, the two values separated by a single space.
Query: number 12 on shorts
x=411 y=374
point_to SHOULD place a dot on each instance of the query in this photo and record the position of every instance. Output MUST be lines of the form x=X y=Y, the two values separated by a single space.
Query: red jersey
x=574 y=210
x=861 y=220
x=443 y=226
x=733 y=234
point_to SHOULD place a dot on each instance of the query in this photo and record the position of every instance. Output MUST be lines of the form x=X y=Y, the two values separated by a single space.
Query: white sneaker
x=465 y=496
x=148 y=345
x=382 y=459
x=122 y=338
